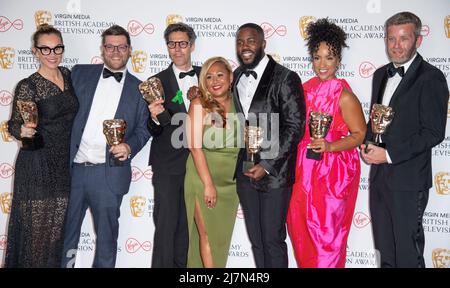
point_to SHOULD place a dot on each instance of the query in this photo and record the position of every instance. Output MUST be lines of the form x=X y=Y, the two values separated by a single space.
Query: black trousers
x=265 y=212
x=397 y=223
x=170 y=242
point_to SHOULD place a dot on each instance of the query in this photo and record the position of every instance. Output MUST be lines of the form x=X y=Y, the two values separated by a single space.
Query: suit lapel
x=380 y=86
x=263 y=86
x=120 y=113
x=89 y=90
x=172 y=90
x=408 y=79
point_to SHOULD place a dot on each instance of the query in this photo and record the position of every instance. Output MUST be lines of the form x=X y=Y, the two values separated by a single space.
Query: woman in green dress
x=210 y=190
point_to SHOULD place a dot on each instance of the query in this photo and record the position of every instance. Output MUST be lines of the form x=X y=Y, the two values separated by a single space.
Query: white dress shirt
x=104 y=107
x=184 y=84
x=391 y=85
x=247 y=85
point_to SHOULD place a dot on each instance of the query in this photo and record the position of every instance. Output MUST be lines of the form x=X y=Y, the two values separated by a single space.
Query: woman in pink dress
x=324 y=192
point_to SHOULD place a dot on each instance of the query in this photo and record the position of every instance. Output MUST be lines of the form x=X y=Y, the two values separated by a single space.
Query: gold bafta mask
x=137 y=205
x=7 y=57
x=152 y=89
x=381 y=117
x=114 y=131
x=173 y=18
x=28 y=111
x=447 y=26
x=440 y=258
x=319 y=124
x=139 y=61
x=4 y=131
x=303 y=23
x=5 y=202
x=42 y=17
x=442 y=183
x=253 y=137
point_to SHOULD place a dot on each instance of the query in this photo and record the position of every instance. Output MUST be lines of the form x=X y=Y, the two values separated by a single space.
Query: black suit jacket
x=164 y=157
x=420 y=106
x=279 y=91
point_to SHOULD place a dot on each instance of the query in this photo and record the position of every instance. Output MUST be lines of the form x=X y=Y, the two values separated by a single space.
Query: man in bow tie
x=400 y=175
x=168 y=159
x=104 y=91
x=265 y=92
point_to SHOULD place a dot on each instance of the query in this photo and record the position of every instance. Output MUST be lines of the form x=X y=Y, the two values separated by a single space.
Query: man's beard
x=258 y=56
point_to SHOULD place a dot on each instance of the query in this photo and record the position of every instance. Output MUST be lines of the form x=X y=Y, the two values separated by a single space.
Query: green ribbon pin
x=178 y=97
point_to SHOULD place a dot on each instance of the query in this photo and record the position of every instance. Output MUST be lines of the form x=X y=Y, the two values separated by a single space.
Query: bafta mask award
x=253 y=136
x=380 y=118
x=152 y=90
x=319 y=124
x=114 y=131
x=28 y=111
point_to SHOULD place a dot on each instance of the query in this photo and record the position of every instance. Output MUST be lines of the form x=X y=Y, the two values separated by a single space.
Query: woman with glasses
x=42 y=180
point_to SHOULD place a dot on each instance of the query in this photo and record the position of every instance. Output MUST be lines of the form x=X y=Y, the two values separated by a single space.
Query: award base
x=31 y=144
x=163 y=118
x=247 y=165
x=310 y=154
x=366 y=150
x=115 y=162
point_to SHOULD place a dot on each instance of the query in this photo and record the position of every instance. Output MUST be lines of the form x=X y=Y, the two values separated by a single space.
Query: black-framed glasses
x=57 y=50
x=111 y=48
x=181 y=44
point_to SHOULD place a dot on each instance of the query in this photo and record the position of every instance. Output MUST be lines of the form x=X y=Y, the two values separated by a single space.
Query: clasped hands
x=121 y=151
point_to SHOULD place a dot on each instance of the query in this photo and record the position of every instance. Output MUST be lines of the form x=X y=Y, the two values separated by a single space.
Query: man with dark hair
x=104 y=91
x=270 y=96
x=400 y=175
x=168 y=159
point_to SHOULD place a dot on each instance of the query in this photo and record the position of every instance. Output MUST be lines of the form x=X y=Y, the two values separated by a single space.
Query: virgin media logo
x=132 y=245
x=2 y=242
x=135 y=28
x=96 y=60
x=137 y=173
x=360 y=220
x=269 y=30
x=425 y=30
x=6 y=24
x=366 y=69
x=6 y=170
x=5 y=98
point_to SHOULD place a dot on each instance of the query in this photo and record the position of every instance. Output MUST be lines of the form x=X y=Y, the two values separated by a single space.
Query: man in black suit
x=270 y=96
x=168 y=159
x=400 y=175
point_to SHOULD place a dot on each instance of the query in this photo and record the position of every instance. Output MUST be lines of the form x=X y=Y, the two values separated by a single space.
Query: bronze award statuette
x=152 y=90
x=28 y=111
x=253 y=136
x=114 y=131
x=381 y=117
x=319 y=124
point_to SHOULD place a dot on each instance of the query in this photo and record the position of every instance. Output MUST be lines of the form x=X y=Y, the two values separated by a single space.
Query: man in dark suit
x=270 y=96
x=168 y=154
x=400 y=175
x=104 y=92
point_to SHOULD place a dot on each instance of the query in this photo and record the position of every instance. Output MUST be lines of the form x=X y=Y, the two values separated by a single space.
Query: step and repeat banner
x=82 y=22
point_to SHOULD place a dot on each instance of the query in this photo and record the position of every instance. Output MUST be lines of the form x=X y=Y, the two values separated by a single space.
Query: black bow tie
x=108 y=73
x=391 y=70
x=251 y=72
x=189 y=73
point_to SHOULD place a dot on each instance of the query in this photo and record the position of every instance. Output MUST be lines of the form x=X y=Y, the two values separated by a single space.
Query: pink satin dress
x=324 y=192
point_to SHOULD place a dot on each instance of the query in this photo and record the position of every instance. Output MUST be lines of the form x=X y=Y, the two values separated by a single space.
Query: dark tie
x=391 y=70
x=189 y=73
x=251 y=72
x=108 y=73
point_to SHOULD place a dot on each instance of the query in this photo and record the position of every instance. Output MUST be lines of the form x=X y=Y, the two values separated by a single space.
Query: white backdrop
x=215 y=23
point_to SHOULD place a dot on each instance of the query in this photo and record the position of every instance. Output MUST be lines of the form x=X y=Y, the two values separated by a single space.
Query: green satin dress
x=220 y=146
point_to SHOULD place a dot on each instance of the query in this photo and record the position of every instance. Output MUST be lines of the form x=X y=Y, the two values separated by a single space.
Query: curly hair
x=207 y=100
x=324 y=31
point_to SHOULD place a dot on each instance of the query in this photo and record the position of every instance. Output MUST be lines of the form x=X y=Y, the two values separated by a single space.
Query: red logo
x=240 y=213
x=96 y=60
x=6 y=170
x=360 y=220
x=5 y=98
x=2 y=242
x=366 y=69
x=135 y=28
x=6 y=24
x=269 y=30
x=137 y=174
x=425 y=30
x=132 y=245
